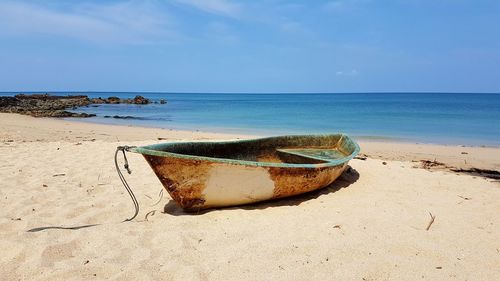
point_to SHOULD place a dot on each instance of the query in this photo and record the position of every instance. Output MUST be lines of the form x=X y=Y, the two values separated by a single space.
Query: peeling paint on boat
x=300 y=180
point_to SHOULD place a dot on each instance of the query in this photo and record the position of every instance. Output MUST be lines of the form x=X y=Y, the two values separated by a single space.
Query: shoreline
x=257 y=134
x=447 y=156
x=268 y=132
x=220 y=131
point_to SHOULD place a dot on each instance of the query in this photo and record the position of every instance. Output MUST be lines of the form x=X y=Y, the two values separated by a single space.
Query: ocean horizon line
x=244 y=93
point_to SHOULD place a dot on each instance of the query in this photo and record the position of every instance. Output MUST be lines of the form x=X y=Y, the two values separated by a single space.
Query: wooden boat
x=200 y=175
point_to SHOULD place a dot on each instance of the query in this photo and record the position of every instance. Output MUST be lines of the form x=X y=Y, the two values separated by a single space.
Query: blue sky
x=250 y=46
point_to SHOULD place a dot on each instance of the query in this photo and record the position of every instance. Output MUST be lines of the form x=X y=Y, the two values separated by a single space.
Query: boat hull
x=200 y=175
x=197 y=185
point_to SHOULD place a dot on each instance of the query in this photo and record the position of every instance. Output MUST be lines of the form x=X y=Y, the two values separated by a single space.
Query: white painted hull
x=219 y=184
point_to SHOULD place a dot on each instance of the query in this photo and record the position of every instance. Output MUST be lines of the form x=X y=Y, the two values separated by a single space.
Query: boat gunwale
x=149 y=150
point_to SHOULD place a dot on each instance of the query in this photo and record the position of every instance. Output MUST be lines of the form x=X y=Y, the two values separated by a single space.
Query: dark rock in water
x=141 y=100
x=163 y=101
x=98 y=100
x=83 y=115
x=122 y=117
x=113 y=100
x=116 y=100
x=64 y=113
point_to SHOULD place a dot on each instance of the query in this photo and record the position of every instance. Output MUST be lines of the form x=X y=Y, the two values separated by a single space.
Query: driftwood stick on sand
x=431 y=221
x=152 y=213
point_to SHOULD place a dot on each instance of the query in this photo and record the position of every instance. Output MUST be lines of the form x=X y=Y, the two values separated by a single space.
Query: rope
x=122 y=178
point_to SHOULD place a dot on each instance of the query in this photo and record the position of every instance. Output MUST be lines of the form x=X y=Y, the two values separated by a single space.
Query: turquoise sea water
x=471 y=119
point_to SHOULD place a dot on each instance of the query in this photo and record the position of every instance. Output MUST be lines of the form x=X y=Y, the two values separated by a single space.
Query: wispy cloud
x=221 y=33
x=128 y=22
x=333 y=5
x=353 y=72
x=219 y=7
x=341 y=5
x=294 y=27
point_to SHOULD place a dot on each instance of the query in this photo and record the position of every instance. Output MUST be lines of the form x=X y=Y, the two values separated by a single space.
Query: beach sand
x=62 y=207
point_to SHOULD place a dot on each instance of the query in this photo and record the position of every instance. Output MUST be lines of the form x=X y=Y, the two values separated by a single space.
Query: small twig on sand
x=58 y=175
x=152 y=213
x=430 y=222
x=160 y=196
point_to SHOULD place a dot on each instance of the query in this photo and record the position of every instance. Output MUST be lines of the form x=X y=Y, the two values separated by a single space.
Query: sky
x=260 y=46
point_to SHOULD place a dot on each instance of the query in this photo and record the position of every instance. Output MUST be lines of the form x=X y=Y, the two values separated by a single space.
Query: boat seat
x=300 y=155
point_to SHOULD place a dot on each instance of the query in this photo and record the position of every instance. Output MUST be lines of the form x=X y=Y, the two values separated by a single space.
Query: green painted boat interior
x=323 y=154
x=299 y=149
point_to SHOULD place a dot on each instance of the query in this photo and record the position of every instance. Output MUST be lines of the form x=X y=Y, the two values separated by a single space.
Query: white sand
x=370 y=225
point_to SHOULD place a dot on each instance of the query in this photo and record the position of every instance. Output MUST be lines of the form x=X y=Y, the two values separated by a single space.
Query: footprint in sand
x=58 y=252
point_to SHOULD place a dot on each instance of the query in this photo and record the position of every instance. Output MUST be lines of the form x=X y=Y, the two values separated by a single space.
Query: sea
x=442 y=118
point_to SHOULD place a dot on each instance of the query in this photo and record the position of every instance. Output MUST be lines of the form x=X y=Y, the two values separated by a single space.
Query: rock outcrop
x=45 y=105
x=113 y=100
x=116 y=100
x=141 y=100
x=97 y=100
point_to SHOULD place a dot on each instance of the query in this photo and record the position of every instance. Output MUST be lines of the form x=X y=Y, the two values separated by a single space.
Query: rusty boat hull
x=200 y=175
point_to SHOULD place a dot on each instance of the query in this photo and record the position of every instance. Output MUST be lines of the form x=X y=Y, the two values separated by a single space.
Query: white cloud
x=128 y=22
x=220 y=7
x=353 y=72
